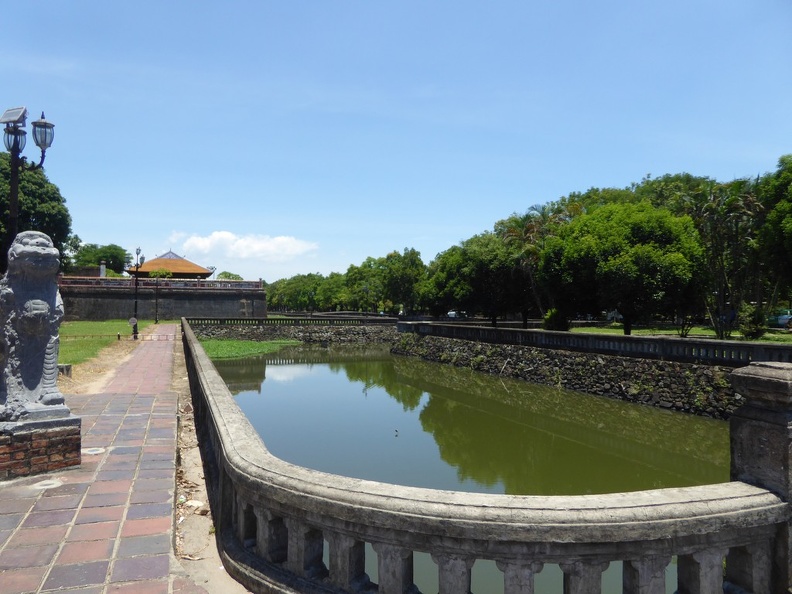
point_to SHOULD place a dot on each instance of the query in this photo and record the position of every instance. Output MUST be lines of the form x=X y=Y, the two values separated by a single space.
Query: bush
x=752 y=321
x=555 y=320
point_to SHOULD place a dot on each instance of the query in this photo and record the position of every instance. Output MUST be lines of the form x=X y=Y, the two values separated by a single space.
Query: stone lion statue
x=31 y=310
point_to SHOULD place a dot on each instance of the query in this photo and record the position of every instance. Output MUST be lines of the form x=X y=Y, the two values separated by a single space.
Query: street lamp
x=14 y=138
x=134 y=321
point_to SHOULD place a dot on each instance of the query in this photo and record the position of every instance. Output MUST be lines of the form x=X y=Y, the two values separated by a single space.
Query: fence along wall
x=687 y=350
x=274 y=520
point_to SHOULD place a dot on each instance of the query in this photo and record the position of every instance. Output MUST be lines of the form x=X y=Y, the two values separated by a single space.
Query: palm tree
x=527 y=233
x=727 y=219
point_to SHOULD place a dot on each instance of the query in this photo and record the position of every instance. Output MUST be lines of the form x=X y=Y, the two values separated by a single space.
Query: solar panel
x=15 y=115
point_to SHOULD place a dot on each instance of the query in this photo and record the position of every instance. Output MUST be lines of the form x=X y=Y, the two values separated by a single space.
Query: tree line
x=680 y=248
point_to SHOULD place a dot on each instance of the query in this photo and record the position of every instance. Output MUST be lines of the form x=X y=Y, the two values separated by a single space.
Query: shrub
x=555 y=320
x=751 y=321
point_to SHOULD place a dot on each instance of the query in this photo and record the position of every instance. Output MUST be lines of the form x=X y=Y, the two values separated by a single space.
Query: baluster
x=583 y=578
x=239 y=518
x=518 y=578
x=750 y=567
x=701 y=572
x=305 y=550
x=347 y=562
x=395 y=566
x=272 y=538
x=645 y=576
x=245 y=524
x=454 y=573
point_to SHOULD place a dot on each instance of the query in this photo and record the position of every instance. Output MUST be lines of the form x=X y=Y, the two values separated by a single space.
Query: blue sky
x=277 y=138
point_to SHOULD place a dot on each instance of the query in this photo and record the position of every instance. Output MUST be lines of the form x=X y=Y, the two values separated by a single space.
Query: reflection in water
x=359 y=411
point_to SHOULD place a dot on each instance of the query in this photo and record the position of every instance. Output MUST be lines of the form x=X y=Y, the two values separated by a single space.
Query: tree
x=527 y=234
x=479 y=276
x=41 y=206
x=365 y=284
x=402 y=276
x=631 y=257
x=727 y=217
x=446 y=287
x=775 y=236
x=332 y=293
x=229 y=276
x=114 y=256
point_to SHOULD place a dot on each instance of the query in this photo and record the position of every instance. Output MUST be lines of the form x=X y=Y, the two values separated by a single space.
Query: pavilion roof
x=174 y=263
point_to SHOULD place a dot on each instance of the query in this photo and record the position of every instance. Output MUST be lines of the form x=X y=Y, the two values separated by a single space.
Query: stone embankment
x=374 y=333
x=697 y=389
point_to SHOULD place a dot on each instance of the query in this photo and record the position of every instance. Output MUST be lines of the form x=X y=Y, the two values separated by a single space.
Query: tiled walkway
x=108 y=525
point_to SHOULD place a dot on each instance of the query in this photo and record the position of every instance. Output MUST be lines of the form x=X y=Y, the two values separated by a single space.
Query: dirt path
x=194 y=541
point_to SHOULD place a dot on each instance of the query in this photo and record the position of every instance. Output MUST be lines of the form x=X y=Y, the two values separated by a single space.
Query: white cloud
x=224 y=244
x=288 y=373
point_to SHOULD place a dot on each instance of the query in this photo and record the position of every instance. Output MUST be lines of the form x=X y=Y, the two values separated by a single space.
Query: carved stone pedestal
x=37 y=431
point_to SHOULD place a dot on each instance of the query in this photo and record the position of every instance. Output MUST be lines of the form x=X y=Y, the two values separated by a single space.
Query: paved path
x=108 y=525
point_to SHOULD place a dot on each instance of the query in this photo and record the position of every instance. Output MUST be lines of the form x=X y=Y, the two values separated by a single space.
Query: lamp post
x=134 y=321
x=14 y=138
x=156 y=300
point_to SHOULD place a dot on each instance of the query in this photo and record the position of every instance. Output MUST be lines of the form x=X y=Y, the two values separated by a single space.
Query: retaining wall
x=685 y=387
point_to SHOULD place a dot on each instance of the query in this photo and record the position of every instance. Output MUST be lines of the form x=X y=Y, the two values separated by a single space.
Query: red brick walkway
x=106 y=526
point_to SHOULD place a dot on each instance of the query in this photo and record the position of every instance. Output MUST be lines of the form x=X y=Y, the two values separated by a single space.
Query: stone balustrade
x=732 y=353
x=284 y=528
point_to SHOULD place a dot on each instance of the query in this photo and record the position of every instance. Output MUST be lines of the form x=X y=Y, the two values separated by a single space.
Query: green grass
x=234 y=349
x=697 y=331
x=82 y=341
x=772 y=335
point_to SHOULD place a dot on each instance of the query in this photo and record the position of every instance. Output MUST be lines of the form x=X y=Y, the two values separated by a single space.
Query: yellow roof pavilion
x=179 y=267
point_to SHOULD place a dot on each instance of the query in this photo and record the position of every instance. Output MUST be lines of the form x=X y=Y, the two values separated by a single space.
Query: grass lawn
x=81 y=341
x=772 y=335
x=234 y=349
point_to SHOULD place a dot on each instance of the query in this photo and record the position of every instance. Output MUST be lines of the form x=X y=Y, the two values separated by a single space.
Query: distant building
x=178 y=267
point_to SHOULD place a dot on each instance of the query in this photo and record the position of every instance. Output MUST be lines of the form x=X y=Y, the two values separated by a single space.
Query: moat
x=361 y=412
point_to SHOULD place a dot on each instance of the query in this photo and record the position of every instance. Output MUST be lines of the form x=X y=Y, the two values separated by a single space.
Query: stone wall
x=113 y=303
x=698 y=389
x=38 y=447
x=352 y=333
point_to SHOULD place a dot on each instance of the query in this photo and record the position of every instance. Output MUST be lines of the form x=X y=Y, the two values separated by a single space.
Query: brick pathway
x=106 y=526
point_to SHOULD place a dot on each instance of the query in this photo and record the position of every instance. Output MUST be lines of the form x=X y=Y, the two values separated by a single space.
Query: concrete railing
x=729 y=353
x=302 y=321
x=284 y=528
x=126 y=282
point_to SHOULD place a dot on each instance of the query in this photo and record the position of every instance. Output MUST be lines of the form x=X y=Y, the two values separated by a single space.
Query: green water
x=364 y=413
x=367 y=414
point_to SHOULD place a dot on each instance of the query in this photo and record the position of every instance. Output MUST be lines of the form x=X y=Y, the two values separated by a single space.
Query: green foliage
x=679 y=248
x=365 y=284
x=632 y=257
x=727 y=218
x=161 y=273
x=41 y=206
x=402 y=275
x=752 y=321
x=229 y=276
x=235 y=349
x=555 y=320
x=114 y=256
